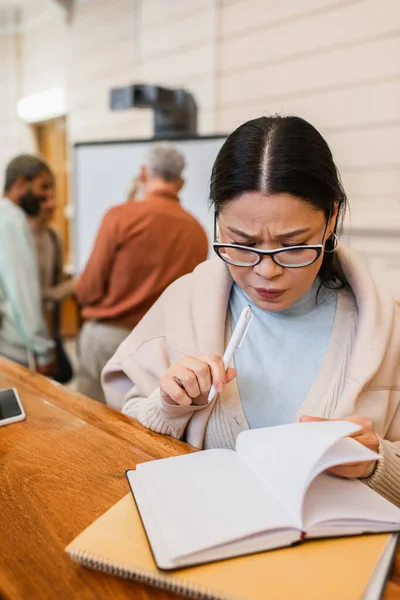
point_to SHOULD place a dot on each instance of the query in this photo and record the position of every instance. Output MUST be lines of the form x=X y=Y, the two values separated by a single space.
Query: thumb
x=308 y=419
x=230 y=374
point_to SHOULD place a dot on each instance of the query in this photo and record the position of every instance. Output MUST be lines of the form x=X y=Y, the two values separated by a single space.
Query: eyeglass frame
x=271 y=253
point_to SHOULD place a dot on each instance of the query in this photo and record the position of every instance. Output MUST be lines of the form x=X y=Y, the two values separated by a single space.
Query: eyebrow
x=281 y=236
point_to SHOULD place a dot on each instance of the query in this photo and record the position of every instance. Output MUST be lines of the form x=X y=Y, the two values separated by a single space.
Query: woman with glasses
x=324 y=341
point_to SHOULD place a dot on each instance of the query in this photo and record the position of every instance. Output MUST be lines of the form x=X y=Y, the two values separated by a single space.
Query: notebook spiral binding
x=164 y=582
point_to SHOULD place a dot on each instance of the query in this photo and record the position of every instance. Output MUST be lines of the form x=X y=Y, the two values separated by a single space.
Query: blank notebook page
x=219 y=500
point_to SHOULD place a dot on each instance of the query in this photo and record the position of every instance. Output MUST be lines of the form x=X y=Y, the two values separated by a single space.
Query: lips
x=269 y=294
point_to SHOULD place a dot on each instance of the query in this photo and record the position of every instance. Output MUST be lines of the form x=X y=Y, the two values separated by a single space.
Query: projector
x=175 y=110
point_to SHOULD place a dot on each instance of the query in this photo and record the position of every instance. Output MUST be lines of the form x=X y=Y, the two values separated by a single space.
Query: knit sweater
x=326 y=389
x=191 y=318
x=282 y=353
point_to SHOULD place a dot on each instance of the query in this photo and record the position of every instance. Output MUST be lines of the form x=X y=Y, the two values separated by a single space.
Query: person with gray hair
x=140 y=249
x=165 y=161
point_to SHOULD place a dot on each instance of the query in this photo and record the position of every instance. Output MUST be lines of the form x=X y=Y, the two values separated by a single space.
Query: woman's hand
x=189 y=380
x=366 y=436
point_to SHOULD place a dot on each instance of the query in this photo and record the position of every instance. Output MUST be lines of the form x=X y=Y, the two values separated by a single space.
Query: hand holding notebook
x=270 y=493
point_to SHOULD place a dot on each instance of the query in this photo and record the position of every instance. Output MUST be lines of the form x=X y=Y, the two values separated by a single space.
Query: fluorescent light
x=43 y=106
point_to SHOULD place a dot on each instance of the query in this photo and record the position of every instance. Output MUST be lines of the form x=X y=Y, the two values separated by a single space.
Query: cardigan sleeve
x=157 y=415
x=386 y=477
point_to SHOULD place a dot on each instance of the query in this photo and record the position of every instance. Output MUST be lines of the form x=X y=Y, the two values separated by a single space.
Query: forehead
x=43 y=178
x=256 y=209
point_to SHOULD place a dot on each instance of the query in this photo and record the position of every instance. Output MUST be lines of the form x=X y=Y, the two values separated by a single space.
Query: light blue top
x=22 y=326
x=281 y=354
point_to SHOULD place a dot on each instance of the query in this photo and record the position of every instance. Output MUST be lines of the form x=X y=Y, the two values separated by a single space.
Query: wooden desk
x=60 y=470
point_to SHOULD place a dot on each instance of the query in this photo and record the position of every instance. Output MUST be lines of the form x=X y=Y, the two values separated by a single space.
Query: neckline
x=316 y=402
x=162 y=195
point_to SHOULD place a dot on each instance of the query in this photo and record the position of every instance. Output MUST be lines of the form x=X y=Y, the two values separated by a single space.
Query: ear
x=21 y=185
x=333 y=220
x=179 y=185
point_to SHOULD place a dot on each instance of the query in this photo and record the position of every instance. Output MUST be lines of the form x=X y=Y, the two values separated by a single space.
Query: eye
x=294 y=245
x=246 y=244
x=297 y=250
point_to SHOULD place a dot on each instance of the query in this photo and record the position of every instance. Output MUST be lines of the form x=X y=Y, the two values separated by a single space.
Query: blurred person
x=24 y=337
x=140 y=249
x=54 y=286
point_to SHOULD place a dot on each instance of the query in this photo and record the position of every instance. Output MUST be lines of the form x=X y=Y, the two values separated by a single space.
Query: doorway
x=52 y=144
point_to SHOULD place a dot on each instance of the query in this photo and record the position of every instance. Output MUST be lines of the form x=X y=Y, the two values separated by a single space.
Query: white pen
x=235 y=341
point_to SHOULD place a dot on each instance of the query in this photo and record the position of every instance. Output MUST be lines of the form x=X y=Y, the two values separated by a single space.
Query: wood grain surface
x=60 y=469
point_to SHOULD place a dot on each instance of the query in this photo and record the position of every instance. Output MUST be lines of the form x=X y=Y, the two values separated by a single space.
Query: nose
x=268 y=269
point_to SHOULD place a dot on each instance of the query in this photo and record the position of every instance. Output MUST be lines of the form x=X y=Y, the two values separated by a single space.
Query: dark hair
x=278 y=155
x=26 y=166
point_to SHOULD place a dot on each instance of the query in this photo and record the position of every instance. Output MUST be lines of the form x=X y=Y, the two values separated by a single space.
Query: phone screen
x=9 y=406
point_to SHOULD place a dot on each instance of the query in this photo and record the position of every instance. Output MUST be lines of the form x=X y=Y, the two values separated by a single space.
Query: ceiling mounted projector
x=175 y=110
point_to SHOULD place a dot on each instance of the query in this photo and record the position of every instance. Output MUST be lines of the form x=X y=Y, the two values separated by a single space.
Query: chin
x=275 y=305
x=271 y=306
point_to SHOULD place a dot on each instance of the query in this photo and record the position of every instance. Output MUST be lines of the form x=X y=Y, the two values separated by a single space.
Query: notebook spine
x=164 y=582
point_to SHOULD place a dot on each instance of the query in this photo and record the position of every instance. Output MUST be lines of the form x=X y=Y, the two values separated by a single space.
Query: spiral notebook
x=116 y=543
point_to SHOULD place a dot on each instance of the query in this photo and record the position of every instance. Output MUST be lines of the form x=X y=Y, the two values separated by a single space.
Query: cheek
x=300 y=280
x=36 y=190
x=240 y=275
x=296 y=281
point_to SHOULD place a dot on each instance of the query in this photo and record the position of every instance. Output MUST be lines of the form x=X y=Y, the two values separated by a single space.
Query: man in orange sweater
x=141 y=248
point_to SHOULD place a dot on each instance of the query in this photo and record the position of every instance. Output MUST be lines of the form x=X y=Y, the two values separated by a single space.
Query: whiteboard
x=104 y=171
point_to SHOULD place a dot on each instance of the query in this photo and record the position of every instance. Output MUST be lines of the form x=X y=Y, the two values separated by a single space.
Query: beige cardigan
x=190 y=318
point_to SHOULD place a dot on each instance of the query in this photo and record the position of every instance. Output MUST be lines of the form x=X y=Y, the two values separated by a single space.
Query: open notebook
x=270 y=493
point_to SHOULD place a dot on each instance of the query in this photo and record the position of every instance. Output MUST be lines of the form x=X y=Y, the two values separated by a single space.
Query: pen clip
x=249 y=319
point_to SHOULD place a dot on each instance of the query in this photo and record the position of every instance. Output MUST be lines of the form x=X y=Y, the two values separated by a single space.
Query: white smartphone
x=11 y=409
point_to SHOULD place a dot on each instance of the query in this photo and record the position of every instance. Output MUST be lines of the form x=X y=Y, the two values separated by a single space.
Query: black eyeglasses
x=293 y=257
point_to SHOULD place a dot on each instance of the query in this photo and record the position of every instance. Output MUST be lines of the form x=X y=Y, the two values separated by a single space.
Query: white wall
x=43 y=40
x=335 y=62
x=14 y=136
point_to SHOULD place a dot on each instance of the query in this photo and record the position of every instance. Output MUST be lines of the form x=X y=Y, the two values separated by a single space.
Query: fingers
x=364 y=422
x=347 y=471
x=368 y=439
x=365 y=435
x=230 y=374
x=352 y=470
x=201 y=372
x=217 y=369
x=191 y=378
x=173 y=393
x=186 y=378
